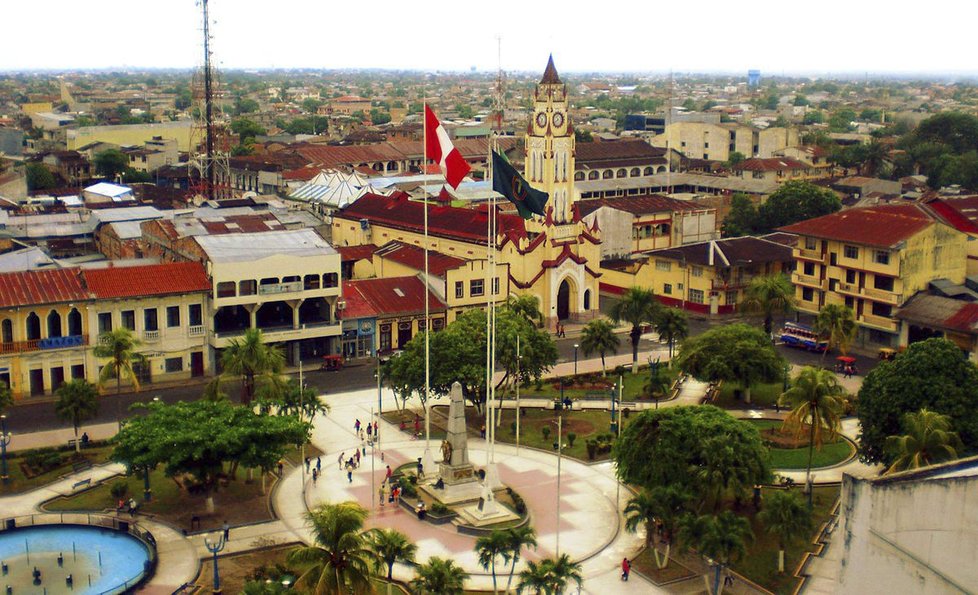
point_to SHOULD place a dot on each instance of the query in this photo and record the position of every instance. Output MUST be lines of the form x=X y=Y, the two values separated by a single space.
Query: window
x=667 y=289
x=697 y=272
x=459 y=290
x=104 y=322
x=884 y=283
x=730 y=298
x=225 y=289
x=663 y=265
x=850 y=276
x=810 y=244
x=195 y=315
x=884 y=310
x=172 y=316
x=850 y=252
x=696 y=296
x=476 y=287
x=881 y=257
x=437 y=324
x=8 y=330
x=173 y=364
x=807 y=294
x=850 y=303
x=150 y=323
x=330 y=280
x=311 y=282
x=809 y=268
x=129 y=319
x=247 y=287
x=495 y=286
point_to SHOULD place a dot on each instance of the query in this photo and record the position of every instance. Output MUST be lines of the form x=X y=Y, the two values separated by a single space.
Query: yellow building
x=132 y=134
x=874 y=260
x=382 y=315
x=715 y=142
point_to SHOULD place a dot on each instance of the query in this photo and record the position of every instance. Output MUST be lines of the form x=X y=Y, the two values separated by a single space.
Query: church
x=555 y=258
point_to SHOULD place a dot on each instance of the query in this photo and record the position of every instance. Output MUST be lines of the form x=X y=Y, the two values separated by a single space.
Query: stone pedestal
x=455 y=467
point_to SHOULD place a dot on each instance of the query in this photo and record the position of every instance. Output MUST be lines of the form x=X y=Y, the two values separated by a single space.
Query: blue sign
x=61 y=342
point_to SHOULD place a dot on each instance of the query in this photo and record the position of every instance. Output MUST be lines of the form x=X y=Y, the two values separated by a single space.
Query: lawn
x=830 y=454
x=762 y=395
x=20 y=483
x=674 y=571
x=633 y=390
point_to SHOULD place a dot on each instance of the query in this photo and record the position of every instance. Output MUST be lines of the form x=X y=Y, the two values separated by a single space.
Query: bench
x=81 y=466
x=85 y=482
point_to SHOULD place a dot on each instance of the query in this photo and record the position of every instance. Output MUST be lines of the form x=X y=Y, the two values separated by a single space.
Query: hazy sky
x=830 y=36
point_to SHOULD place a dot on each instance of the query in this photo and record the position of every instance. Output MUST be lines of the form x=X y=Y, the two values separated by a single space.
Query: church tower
x=549 y=162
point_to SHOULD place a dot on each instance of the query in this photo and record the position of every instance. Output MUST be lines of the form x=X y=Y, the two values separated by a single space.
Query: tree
x=379 y=116
x=768 y=294
x=732 y=353
x=932 y=375
x=490 y=547
x=517 y=538
x=816 y=399
x=841 y=121
x=6 y=397
x=39 y=177
x=258 y=365
x=794 y=201
x=722 y=538
x=119 y=347
x=390 y=546
x=550 y=575
x=742 y=218
x=247 y=130
x=836 y=323
x=295 y=401
x=667 y=447
x=77 y=402
x=813 y=117
x=735 y=159
x=526 y=305
x=340 y=559
x=244 y=105
x=785 y=515
x=111 y=163
x=439 y=577
x=199 y=437
x=638 y=307
x=535 y=576
x=311 y=104
x=599 y=335
x=929 y=439
x=672 y=325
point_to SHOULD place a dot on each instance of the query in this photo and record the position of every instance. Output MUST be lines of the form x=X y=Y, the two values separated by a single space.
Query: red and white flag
x=441 y=150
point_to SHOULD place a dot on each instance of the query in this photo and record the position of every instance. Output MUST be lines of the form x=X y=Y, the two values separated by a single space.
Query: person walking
x=319 y=464
x=356 y=426
x=307 y=464
x=227 y=531
x=349 y=472
x=387 y=477
x=357 y=456
x=382 y=494
x=626 y=568
x=339 y=460
x=315 y=476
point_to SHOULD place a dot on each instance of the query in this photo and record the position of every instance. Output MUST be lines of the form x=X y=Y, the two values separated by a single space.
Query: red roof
x=772 y=164
x=639 y=205
x=959 y=213
x=364 y=252
x=413 y=256
x=41 y=287
x=965 y=318
x=395 y=296
x=139 y=281
x=884 y=225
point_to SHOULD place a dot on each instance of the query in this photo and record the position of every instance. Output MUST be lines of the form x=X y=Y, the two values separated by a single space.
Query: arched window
x=634 y=173
x=662 y=169
x=593 y=175
x=579 y=176
x=33 y=326
x=54 y=324
x=74 y=323
x=621 y=173
x=608 y=174
x=587 y=300
x=7 y=330
x=647 y=171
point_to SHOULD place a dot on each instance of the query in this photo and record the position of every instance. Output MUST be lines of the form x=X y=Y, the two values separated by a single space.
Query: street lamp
x=575 y=358
x=215 y=548
x=4 y=441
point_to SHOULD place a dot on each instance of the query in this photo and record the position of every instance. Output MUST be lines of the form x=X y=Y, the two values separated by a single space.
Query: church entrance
x=563 y=300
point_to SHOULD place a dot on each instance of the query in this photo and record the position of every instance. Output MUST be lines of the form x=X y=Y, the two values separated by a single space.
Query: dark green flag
x=508 y=182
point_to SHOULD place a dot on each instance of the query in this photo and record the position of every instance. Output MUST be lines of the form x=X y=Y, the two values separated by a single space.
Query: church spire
x=550 y=76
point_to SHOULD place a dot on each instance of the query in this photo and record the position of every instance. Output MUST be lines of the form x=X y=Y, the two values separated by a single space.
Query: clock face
x=541 y=119
x=558 y=119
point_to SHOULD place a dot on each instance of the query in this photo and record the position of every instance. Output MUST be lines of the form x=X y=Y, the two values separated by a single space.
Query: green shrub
x=546 y=432
x=571 y=437
x=592 y=448
x=518 y=504
x=439 y=509
x=119 y=490
x=408 y=490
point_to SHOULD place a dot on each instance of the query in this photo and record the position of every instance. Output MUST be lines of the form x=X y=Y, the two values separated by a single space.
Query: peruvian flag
x=441 y=150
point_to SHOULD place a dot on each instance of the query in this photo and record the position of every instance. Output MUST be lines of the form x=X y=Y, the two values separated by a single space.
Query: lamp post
x=4 y=441
x=575 y=358
x=519 y=361
x=214 y=548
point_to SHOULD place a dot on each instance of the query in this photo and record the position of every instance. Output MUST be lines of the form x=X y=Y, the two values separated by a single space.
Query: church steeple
x=550 y=76
x=549 y=163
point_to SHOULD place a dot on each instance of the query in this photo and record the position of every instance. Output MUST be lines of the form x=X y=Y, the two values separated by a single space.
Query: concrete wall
x=131 y=134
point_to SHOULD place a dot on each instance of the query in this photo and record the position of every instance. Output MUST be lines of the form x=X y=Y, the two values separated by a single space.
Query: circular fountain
x=73 y=554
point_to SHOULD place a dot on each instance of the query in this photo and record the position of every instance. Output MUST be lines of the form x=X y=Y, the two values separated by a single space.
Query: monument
x=455 y=467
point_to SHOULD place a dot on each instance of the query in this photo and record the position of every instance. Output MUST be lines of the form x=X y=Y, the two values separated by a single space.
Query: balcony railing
x=44 y=344
x=809 y=254
x=850 y=288
x=196 y=330
x=808 y=280
x=879 y=322
x=151 y=336
x=276 y=288
x=880 y=295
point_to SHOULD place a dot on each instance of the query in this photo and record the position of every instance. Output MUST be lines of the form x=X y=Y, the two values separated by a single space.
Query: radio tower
x=209 y=142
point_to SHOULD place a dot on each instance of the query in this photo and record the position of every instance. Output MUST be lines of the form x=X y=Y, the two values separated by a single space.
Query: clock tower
x=549 y=163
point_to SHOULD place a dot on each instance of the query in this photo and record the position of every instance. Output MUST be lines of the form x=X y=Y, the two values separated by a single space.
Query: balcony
x=277 y=288
x=44 y=344
x=879 y=295
x=196 y=330
x=151 y=336
x=848 y=288
x=879 y=322
x=278 y=334
x=808 y=280
x=802 y=253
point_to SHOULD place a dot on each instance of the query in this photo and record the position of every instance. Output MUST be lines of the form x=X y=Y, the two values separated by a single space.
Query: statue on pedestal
x=455 y=467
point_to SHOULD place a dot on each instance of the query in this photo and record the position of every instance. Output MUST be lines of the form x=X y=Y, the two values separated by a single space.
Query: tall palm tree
x=836 y=323
x=672 y=325
x=527 y=306
x=561 y=571
x=637 y=307
x=785 y=515
x=535 y=576
x=439 y=577
x=258 y=365
x=77 y=402
x=517 y=538
x=490 y=547
x=642 y=511
x=340 y=559
x=768 y=294
x=119 y=347
x=929 y=439
x=391 y=546
x=599 y=335
x=722 y=538
x=815 y=398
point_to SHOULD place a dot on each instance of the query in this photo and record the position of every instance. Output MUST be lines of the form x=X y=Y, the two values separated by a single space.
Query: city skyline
x=839 y=38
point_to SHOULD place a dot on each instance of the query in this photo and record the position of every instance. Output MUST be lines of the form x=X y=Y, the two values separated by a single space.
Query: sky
x=705 y=36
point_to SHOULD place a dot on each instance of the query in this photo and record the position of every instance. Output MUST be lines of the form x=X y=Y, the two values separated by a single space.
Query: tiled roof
x=413 y=256
x=728 y=252
x=585 y=153
x=959 y=213
x=40 y=287
x=883 y=226
x=941 y=312
x=639 y=205
x=154 y=279
x=772 y=164
x=394 y=296
x=351 y=253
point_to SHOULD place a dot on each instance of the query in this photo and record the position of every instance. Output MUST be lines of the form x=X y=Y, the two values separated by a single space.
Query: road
x=40 y=415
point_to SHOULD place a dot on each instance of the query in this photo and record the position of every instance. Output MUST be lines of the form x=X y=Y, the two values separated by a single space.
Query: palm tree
x=637 y=307
x=721 y=538
x=662 y=505
x=561 y=571
x=599 y=335
x=816 y=399
x=439 y=577
x=642 y=511
x=489 y=547
x=535 y=576
x=768 y=294
x=390 y=546
x=786 y=516
x=517 y=538
x=527 y=306
x=837 y=324
x=258 y=365
x=929 y=440
x=119 y=347
x=77 y=402
x=340 y=559
x=672 y=325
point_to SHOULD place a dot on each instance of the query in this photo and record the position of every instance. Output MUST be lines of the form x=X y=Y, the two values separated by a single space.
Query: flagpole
x=427 y=459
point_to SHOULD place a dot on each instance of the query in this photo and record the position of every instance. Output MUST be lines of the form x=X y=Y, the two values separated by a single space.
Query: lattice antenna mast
x=208 y=100
x=209 y=140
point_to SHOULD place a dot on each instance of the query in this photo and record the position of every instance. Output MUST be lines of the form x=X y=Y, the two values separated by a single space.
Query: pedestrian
x=339 y=460
x=349 y=472
x=319 y=464
x=307 y=464
x=395 y=490
x=84 y=439
x=132 y=507
x=361 y=435
x=382 y=494
x=420 y=469
x=417 y=424
x=389 y=473
x=376 y=433
x=482 y=431
x=227 y=531
x=728 y=580
x=356 y=425
x=358 y=457
x=626 y=567
x=363 y=447
x=370 y=430
x=315 y=476
x=281 y=466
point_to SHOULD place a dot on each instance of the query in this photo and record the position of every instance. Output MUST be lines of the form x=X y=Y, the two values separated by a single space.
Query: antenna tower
x=209 y=141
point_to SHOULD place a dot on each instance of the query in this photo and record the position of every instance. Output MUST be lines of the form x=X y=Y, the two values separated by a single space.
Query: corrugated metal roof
x=41 y=287
x=884 y=226
x=393 y=296
x=296 y=243
x=413 y=256
x=139 y=281
x=111 y=190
